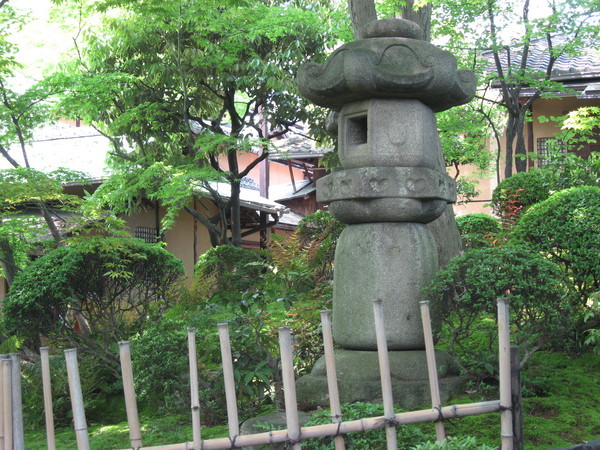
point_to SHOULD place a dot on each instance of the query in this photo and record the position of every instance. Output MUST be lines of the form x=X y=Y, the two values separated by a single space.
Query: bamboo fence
x=11 y=423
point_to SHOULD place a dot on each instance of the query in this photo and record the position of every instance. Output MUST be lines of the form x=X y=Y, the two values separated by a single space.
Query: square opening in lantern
x=356 y=130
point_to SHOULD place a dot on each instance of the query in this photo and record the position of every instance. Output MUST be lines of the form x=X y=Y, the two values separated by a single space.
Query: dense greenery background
x=175 y=85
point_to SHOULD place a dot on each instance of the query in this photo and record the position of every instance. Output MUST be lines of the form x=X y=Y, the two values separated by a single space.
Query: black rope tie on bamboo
x=440 y=415
x=389 y=422
x=233 y=441
x=337 y=418
x=505 y=408
x=291 y=442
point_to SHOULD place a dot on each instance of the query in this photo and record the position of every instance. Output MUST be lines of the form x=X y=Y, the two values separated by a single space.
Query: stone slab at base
x=359 y=379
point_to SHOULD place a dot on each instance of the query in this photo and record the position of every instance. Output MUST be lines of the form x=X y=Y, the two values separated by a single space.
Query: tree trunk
x=362 y=12
x=9 y=266
x=520 y=147
x=50 y=222
x=421 y=17
x=515 y=142
x=510 y=139
x=236 y=223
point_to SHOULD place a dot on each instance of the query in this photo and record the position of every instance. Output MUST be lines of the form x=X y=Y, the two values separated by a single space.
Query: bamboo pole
x=504 y=361
x=232 y=412
x=17 y=401
x=133 y=421
x=48 y=412
x=386 y=377
x=2 y=403
x=517 y=400
x=7 y=386
x=79 y=421
x=354 y=426
x=332 y=386
x=289 y=387
x=194 y=400
x=434 y=386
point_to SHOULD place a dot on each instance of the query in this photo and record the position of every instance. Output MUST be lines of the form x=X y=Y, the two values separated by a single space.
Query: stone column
x=386 y=88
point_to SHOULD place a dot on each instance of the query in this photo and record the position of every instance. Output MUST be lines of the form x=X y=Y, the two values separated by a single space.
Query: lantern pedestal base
x=359 y=379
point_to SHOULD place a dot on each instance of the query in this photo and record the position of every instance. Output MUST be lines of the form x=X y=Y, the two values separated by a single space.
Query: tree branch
x=9 y=158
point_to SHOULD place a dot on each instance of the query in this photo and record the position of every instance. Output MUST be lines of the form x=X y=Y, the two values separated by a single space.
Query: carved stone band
x=363 y=183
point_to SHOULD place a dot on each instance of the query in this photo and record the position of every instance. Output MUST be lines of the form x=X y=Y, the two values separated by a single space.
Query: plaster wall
x=187 y=240
x=555 y=107
x=485 y=187
x=278 y=173
x=541 y=107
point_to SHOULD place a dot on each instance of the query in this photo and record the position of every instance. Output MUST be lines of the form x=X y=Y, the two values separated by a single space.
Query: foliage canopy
x=183 y=88
x=91 y=294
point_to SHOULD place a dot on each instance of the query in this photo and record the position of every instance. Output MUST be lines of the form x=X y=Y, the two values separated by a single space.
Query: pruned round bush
x=91 y=294
x=477 y=229
x=515 y=194
x=464 y=294
x=565 y=228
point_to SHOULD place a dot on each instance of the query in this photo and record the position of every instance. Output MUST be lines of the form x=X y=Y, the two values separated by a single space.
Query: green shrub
x=319 y=233
x=227 y=271
x=477 y=229
x=464 y=294
x=91 y=294
x=97 y=385
x=565 y=228
x=566 y=170
x=515 y=194
x=160 y=360
x=160 y=365
x=408 y=435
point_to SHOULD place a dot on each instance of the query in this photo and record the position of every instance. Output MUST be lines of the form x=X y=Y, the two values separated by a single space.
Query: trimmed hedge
x=515 y=194
x=477 y=229
x=565 y=228
x=464 y=295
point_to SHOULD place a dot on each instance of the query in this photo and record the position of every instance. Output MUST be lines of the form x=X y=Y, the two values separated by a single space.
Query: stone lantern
x=386 y=88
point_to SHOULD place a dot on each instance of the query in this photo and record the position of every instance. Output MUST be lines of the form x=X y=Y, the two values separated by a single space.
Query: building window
x=546 y=146
x=147 y=234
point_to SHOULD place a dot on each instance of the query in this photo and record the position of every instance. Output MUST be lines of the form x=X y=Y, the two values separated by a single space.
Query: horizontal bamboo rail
x=353 y=426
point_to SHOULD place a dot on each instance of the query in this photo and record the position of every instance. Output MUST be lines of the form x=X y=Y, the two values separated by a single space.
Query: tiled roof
x=251 y=199
x=567 y=67
x=296 y=146
x=289 y=191
x=63 y=145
